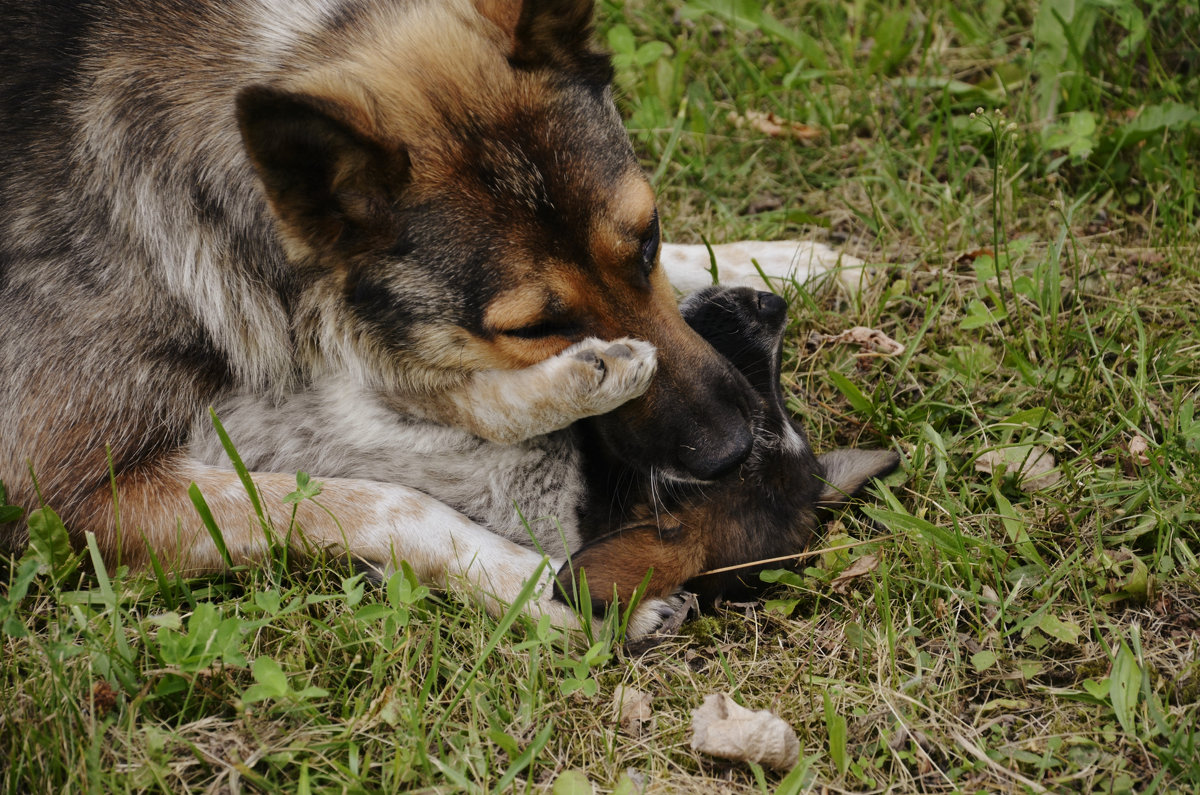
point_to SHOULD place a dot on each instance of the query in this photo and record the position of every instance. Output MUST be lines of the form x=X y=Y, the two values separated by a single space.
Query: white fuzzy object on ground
x=722 y=727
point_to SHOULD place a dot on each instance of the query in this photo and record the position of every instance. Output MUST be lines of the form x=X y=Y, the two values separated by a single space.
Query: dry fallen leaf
x=633 y=710
x=990 y=611
x=968 y=257
x=1138 y=447
x=1036 y=465
x=104 y=698
x=721 y=727
x=870 y=338
x=939 y=608
x=859 y=568
x=775 y=126
x=1145 y=257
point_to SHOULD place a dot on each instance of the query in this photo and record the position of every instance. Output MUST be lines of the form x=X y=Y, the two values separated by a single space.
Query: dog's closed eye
x=543 y=329
x=650 y=243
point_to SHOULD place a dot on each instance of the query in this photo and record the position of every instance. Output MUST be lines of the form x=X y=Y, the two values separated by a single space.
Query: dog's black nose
x=771 y=308
x=719 y=457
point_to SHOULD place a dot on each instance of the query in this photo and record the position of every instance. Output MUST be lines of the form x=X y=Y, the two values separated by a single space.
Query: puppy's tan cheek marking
x=620 y=562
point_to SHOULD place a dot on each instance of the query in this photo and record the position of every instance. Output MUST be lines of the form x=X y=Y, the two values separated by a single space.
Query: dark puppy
x=769 y=508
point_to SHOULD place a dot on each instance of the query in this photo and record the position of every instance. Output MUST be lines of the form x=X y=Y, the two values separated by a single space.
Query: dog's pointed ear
x=847 y=471
x=329 y=182
x=554 y=33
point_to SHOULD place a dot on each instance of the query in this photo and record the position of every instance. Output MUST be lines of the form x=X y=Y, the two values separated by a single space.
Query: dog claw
x=589 y=356
x=657 y=620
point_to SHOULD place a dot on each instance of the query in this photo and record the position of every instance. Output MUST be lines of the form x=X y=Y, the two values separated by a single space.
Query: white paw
x=652 y=614
x=600 y=375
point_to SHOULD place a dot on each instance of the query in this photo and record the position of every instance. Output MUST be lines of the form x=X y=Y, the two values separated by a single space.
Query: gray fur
x=151 y=265
x=336 y=429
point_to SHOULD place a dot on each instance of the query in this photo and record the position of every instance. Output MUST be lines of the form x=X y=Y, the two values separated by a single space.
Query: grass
x=1039 y=260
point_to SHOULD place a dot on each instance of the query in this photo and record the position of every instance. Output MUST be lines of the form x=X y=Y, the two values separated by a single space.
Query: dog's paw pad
x=609 y=373
x=631 y=365
x=589 y=356
x=619 y=350
x=655 y=620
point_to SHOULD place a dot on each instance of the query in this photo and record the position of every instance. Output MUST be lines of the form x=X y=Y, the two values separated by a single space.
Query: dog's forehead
x=556 y=148
x=546 y=179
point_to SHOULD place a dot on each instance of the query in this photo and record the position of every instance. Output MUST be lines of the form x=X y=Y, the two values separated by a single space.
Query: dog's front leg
x=378 y=523
x=507 y=406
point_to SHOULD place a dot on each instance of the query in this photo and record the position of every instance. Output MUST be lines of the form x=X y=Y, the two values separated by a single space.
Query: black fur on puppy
x=768 y=508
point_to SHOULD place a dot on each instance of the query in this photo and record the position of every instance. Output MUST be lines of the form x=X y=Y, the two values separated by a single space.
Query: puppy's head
x=783 y=490
x=769 y=508
x=457 y=191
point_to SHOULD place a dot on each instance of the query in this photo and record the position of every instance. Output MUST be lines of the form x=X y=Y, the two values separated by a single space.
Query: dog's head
x=769 y=508
x=783 y=490
x=458 y=193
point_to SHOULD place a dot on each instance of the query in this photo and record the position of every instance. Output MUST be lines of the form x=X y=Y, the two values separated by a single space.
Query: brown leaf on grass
x=721 y=727
x=860 y=568
x=764 y=203
x=990 y=611
x=1035 y=464
x=939 y=608
x=875 y=341
x=1145 y=257
x=967 y=257
x=775 y=126
x=1138 y=447
x=632 y=707
x=104 y=698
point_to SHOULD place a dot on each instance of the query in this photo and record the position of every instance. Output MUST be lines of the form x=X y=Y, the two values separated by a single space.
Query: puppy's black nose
x=719 y=457
x=771 y=308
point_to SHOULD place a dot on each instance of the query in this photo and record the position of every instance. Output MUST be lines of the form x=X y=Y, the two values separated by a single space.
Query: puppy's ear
x=330 y=183
x=847 y=472
x=555 y=33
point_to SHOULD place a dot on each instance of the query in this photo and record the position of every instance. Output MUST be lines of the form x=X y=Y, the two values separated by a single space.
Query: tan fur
x=214 y=202
x=516 y=308
x=506 y=406
x=616 y=566
x=365 y=518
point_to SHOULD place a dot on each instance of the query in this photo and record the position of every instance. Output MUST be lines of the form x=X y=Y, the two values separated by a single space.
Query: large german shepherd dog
x=428 y=207
x=431 y=202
